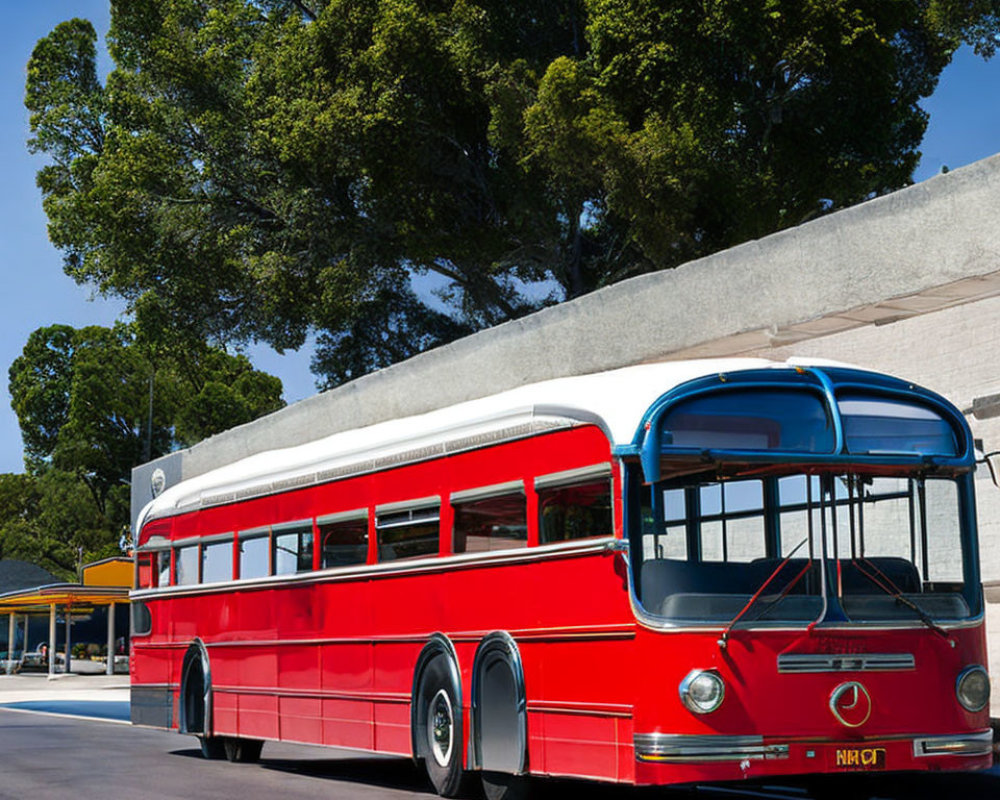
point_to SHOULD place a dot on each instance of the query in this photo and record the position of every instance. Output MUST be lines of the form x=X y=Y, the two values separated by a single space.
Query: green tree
x=262 y=169
x=94 y=402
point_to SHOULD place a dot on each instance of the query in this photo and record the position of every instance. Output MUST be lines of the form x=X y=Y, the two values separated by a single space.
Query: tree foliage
x=94 y=402
x=260 y=169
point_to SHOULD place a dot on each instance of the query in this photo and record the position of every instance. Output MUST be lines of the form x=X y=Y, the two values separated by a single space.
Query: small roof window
x=751 y=419
x=875 y=425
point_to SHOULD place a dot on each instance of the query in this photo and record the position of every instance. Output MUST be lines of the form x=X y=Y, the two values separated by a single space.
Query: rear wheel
x=211 y=747
x=242 y=751
x=441 y=737
x=505 y=786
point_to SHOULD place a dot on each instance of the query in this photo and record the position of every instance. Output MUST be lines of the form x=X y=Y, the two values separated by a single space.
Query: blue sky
x=964 y=127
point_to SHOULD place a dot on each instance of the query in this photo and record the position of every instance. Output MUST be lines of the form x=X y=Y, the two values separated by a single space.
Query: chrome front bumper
x=666 y=747
x=679 y=748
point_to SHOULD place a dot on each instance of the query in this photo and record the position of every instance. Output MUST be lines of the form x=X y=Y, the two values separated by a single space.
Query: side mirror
x=992 y=462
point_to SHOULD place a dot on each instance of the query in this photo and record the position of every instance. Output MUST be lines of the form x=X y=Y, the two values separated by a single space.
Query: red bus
x=683 y=572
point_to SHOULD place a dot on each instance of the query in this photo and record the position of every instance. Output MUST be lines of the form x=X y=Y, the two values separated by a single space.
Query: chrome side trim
x=417 y=504
x=487 y=492
x=572 y=549
x=962 y=744
x=570 y=476
x=343 y=516
x=667 y=747
x=853 y=662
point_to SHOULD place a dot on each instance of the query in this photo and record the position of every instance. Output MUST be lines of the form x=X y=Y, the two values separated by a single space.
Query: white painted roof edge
x=614 y=400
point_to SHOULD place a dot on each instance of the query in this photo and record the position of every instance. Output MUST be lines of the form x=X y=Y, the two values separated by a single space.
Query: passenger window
x=345 y=541
x=293 y=548
x=145 y=577
x=575 y=512
x=255 y=555
x=187 y=565
x=491 y=523
x=217 y=561
x=142 y=621
x=163 y=567
x=408 y=534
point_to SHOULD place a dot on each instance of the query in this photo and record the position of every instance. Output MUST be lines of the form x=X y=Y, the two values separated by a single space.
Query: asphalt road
x=47 y=756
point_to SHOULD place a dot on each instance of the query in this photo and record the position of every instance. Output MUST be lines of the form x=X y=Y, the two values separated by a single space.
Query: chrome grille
x=845 y=662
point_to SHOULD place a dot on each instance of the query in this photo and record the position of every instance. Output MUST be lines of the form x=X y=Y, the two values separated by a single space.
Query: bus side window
x=188 y=561
x=344 y=541
x=145 y=575
x=293 y=548
x=217 y=560
x=577 y=511
x=491 y=523
x=255 y=554
x=163 y=568
x=414 y=533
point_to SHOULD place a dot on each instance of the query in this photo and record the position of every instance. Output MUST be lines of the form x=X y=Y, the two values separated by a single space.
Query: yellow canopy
x=61 y=594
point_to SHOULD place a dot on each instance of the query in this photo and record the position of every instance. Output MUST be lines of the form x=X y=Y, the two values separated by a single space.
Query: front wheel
x=442 y=728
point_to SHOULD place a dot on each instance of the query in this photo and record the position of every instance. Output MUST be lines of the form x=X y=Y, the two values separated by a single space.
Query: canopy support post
x=110 y=669
x=52 y=639
x=69 y=644
x=11 y=634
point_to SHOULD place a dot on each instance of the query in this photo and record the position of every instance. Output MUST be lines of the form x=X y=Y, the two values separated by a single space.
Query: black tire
x=212 y=747
x=242 y=751
x=504 y=786
x=440 y=733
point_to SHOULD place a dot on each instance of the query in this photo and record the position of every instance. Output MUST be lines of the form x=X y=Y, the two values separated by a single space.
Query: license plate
x=859 y=758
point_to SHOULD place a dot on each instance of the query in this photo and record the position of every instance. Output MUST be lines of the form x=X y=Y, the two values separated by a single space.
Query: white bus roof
x=614 y=400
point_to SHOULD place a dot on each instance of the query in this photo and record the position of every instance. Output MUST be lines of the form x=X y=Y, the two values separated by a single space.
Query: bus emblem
x=851 y=704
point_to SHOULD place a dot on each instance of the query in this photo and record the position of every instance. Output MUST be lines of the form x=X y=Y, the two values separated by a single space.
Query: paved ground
x=51 y=754
x=91 y=696
x=38 y=686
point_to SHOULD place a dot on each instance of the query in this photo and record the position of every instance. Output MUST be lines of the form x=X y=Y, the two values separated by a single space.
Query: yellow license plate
x=860 y=758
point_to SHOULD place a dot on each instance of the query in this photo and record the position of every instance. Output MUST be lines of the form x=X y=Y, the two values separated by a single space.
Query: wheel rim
x=440 y=727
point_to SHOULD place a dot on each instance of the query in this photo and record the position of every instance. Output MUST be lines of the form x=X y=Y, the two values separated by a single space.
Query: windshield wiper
x=893 y=591
x=725 y=633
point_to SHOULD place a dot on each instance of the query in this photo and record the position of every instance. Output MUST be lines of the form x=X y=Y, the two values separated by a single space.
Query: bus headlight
x=702 y=691
x=973 y=688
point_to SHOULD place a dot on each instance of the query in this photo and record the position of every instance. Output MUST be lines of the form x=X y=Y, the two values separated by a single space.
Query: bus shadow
x=385 y=772
x=401 y=774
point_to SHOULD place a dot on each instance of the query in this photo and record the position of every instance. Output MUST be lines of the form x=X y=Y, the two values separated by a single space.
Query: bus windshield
x=791 y=547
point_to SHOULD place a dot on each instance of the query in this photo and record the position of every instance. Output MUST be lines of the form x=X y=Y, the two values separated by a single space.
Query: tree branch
x=306 y=12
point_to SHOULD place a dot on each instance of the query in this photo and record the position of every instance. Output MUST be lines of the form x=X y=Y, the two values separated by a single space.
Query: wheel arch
x=196 y=663
x=503 y=750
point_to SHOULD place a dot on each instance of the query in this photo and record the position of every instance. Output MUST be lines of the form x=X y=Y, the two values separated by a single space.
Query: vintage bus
x=669 y=573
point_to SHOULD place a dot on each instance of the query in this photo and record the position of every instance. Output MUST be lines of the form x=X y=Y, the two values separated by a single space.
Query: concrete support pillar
x=52 y=639
x=11 y=636
x=69 y=638
x=110 y=669
x=24 y=644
